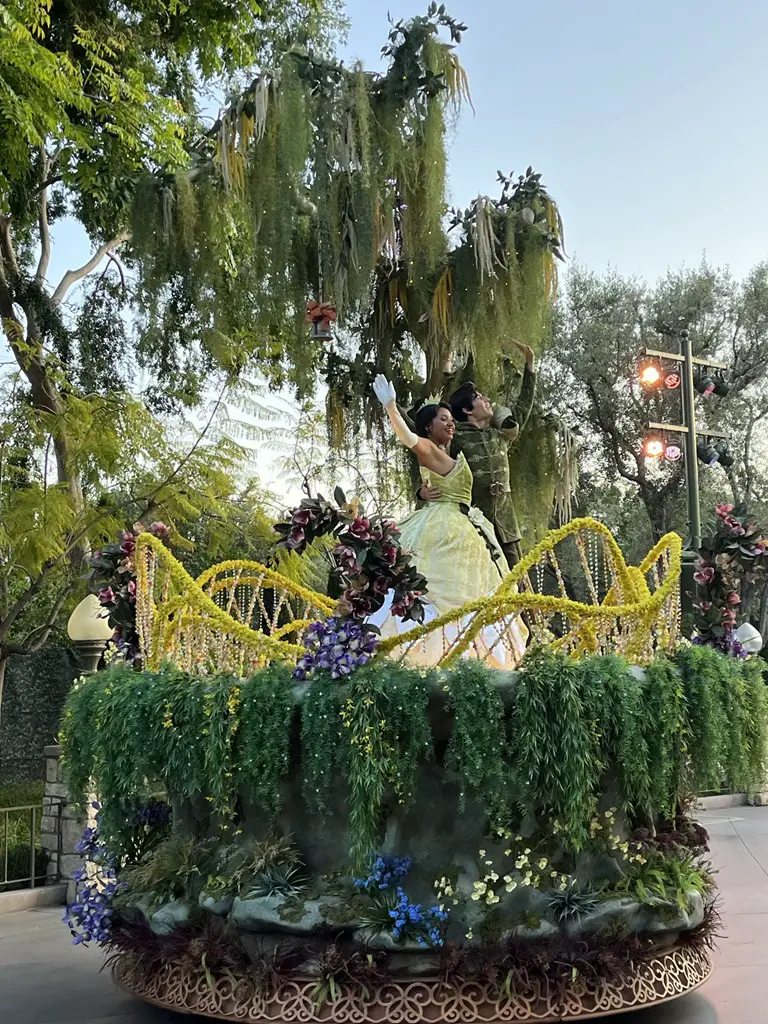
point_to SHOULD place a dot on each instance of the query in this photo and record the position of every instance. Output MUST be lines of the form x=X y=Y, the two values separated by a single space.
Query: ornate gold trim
x=235 y=997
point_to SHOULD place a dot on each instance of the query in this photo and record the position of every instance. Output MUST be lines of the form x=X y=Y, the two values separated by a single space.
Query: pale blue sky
x=647 y=119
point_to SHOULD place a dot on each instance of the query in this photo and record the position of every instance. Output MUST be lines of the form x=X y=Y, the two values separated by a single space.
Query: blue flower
x=338 y=646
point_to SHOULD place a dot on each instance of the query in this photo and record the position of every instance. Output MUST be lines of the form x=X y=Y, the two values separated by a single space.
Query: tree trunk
x=3 y=663
x=763 y=620
x=657 y=510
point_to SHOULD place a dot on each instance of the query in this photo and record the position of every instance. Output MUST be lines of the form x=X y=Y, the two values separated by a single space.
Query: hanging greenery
x=534 y=468
x=545 y=741
x=328 y=183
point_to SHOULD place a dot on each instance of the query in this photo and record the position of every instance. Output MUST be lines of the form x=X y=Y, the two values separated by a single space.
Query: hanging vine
x=328 y=183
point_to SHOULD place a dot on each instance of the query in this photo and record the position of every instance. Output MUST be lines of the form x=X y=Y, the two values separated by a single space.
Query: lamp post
x=686 y=360
x=89 y=631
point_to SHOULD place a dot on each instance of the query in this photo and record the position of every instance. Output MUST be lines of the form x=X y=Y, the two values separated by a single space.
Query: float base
x=235 y=997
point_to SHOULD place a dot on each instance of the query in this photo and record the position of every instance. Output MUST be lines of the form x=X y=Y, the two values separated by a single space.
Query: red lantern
x=320 y=317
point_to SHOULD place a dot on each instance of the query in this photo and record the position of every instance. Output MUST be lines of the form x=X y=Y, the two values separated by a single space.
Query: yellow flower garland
x=640 y=613
x=165 y=627
x=161 y=624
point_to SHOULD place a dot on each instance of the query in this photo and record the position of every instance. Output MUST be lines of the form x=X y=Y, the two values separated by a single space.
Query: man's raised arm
x=510 y=422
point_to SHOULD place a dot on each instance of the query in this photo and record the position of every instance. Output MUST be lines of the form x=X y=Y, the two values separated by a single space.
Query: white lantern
x=749 y=638
x=90 y=632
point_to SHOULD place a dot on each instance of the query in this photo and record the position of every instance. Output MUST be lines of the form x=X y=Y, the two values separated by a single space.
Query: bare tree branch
x=612 y=434
x=42 y=220
x=37 y=637
x=73 y=276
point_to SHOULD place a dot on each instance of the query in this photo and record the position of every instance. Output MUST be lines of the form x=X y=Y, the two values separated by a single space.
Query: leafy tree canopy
x=93 y=97
x=602 y=323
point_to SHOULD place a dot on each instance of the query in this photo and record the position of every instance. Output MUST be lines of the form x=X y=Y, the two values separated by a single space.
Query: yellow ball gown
x=454 y=546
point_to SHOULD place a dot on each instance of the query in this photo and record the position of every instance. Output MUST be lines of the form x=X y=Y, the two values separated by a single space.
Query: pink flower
x=301 y=517
x=406 y=602
x=733 y=598
x=128 y=544
x=380 y=585
x=361 y=528
x=296 y=537
x=347 y=558
x=160 y=530
x=126 y=565
x=704 y=576
x=357 y=602
x=390 y=553
x=132 y=592
x=107 y=595
x=723 y=510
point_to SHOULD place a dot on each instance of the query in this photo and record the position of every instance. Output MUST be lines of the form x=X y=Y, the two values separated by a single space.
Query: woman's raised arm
x=385 y=392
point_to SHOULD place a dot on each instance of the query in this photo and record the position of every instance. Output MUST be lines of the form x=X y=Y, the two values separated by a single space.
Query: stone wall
x=62 y=824
x=33 y=698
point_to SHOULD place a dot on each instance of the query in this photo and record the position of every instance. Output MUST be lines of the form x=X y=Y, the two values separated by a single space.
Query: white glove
x=385 y=391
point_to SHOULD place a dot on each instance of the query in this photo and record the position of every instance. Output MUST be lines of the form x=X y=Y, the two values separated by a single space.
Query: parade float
x=297 y=820
x=343 y=836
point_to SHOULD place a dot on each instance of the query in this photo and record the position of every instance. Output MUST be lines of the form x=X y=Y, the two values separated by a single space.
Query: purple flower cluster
x=426 y=925
x=339 y=646
x=89 y=918
x=726 y=643
x=155 y=815
x=384 y=872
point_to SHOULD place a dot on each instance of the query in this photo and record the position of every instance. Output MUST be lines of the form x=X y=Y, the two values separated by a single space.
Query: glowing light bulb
x=654 y=448
x=650 y=375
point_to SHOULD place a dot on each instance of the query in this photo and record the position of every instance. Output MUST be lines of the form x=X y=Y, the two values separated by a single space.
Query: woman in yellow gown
x=451 y=543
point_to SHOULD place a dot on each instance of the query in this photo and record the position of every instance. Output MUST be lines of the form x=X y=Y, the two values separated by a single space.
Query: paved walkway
x=45 y=980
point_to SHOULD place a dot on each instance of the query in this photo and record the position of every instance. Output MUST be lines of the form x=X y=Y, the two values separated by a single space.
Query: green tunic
x=487 y=452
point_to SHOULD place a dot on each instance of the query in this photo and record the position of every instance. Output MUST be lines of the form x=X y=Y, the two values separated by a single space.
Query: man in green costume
x=484 y=435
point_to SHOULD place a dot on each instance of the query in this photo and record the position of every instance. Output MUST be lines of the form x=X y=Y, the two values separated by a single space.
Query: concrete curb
x=30 y=899
x=720 y=803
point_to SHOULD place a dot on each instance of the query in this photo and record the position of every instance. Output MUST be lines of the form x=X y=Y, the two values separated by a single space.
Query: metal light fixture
x=721 y=388
x=707 y=453
x=653 y=447
x=650 y=374
x=89 y=631
x=724 y=457
x=705 y=384
x=673 y=453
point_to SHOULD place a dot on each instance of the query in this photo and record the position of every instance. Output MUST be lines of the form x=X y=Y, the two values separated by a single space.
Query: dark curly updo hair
x=422 y=419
